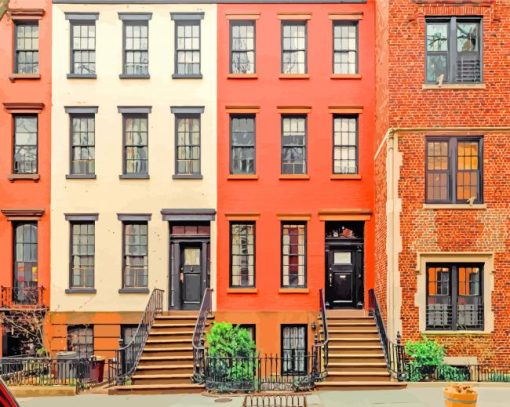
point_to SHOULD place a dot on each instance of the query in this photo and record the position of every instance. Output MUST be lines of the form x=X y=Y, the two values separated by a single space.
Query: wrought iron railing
x=127 y=357
x=463 y=373
x=393 y=351
x=199 y=351
x=321 y=343
x=467 y=316
x=22 y=296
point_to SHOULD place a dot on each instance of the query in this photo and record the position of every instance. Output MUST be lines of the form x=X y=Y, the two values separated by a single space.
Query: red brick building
x=441 y=167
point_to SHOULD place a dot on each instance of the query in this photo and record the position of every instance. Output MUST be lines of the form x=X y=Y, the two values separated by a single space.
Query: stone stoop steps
x=356 y=356
x=166 y=364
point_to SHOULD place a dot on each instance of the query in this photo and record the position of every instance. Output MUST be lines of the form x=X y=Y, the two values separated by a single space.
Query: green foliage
x=498 y=377
x=427 y=358
x=4 y=6
x=226 y=340
x=449 y=373
x=425 y=352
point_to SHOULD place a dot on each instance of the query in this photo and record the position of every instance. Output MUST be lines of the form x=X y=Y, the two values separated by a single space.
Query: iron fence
x=461 y=373
x=23 y=295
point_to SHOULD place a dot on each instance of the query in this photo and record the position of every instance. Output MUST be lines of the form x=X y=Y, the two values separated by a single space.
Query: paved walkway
x=410 y=397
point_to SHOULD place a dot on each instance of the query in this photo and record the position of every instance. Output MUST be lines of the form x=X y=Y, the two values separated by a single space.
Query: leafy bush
x=425 y=352
x=449 y=373
x=227 y=340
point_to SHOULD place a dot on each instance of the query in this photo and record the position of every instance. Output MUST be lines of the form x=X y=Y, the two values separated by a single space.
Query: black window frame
x=451 y=76
x=452 y=323
x=341 y=146
x=452 y=168
x=246 y=116
x=231 y=254
x=25 y=292
x=126 y=174
x=192 y=175
x=72 y=117
x=284 y=146
x=72 y=70
x=283 y=224
x=285 y=23
x=18 y=23
x=191 y=22
x=293 y=371
x=252 y=329
x=14 y=144
x=125 y=24
x=72 y=286
x=125 y=256
x=89 y=347
x=351 y=23
x=247 y=51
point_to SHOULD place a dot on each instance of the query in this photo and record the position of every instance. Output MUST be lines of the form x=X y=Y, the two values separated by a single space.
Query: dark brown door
x=191 y=276
x=340 y=278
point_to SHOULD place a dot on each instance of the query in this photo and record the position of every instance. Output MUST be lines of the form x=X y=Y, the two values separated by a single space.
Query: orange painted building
x=296 y=86
x=25 y=128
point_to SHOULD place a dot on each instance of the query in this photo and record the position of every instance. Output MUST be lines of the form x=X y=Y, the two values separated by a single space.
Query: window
x=454 y=296
x=83 y=47
x=187 y=48
x=345 y=145
x=294 y=58
x=136 y=48
x=83 y=144
x=453 y=50
x=294 y=145
x=127 y=332
x=242 y=47
x=82 y=254
x=345 y=47
x=454 y=170
x=187 y=160
x=25 y=144
x=25 y=263
x=242 y=144
x=293 y=255
x=242 y=254
x=26 y=47
x=135 y=255
x=136 y=144
x=80 y=339
x=294 y=349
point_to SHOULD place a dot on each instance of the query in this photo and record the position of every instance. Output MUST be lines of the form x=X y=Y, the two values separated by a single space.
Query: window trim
x=126 y=114
x=16 y=23
x=253 y=23
x=196 y=20
x=297 y=116
x=36 y=116
x=179 y=114
x=77 y=327
x=291 y=23
x=346 y=116
x=80 y=113
x=234 y=222
x=354 y=23
x=134 y=19
x=452 y=168
x=252 y=116
x=90 y=20
x=305 y=327
x=80 y=220
x=305 y=224
x=452 y=39
x=124 y=222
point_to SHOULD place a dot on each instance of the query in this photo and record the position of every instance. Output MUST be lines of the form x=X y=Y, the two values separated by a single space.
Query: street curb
x=42 y=391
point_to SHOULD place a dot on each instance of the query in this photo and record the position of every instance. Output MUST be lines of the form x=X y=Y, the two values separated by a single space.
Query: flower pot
x=464 y=398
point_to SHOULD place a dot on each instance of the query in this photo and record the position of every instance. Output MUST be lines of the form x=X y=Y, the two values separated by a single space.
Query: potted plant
x=458 y=395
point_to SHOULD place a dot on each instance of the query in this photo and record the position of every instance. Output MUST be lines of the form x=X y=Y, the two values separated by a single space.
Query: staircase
x=166 y=364
x=356 y=357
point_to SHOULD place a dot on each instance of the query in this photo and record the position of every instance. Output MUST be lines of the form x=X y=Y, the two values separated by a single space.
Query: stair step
x=361 y=385
x=157 y=389
x=155 y=369
x=365 y=367
x=169 y=357
x=344 y=376
x=180 y=378
x=356 y=358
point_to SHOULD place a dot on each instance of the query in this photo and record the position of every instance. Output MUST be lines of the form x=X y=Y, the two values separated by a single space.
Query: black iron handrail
x=320 y=346
x=393 y=352
x=127 y=356
x=198 y=340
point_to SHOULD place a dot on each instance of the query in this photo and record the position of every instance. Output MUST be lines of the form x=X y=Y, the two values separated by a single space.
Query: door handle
x=331 y=279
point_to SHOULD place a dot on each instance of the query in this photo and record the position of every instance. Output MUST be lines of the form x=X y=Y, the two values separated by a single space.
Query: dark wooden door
x=341 y=278
x=191 y=275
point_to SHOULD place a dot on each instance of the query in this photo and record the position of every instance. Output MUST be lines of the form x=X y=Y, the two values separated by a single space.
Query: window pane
x=83 y=144
x=345 y=43
x=437 y=171
x=242 y=252
x=294 y=47
x=242 y=42
x=83 y=52
x=25 y=144
x=294 y=350
x=294 y=145
x=80 y=339
x=345 y=155
x=82 y=254
x=242 y=156
x=136 y=147
x=467 y=37
x=437 y=36
x=136 y=48
x=188 y=48
x=188 y=145
x=27 y=47
x=293 y=255
x=135 y=255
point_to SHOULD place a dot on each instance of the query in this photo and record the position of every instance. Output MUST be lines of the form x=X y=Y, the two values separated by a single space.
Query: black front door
x=191 y=275
x=344 y=277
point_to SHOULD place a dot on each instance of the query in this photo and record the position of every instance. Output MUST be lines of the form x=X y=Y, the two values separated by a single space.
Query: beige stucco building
x=133 y=164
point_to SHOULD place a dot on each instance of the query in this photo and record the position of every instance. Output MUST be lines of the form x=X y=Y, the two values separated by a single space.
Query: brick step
x=180 y=378
x=174 y=327
x=370 y=367
x=354 y=341
x=365 y=333
x=165 y=353
x=350 y=326
x=157 y=389
x=173 y=351
x=361 y=385
x=346 y=349
x=170 y=339
x=179 y=335
x=351 y=320
x=151 y=367
x=356 y=358
x=346 y=376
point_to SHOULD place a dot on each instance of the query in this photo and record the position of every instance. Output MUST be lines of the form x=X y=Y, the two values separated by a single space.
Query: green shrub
x=425 y=352
x=227 y=340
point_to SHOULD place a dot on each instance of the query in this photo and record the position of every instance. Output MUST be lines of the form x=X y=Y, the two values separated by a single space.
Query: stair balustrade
x=320 y=346
x=199 y=351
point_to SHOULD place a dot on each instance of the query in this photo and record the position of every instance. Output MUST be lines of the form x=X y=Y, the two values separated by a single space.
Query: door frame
x=353 y=245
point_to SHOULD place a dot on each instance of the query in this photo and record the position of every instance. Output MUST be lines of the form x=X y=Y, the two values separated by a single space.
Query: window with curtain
x=294 y=349
x=26 y=47
x=135 y=255
x=242 y=254
x=83 y=47
x=136 y=144
x=294 y=47
x=187 y=157
x=242 y=144
x=25 y=144
x=82 y=254
x=187 y=49
x=242 y=47
x=83 y=140
x=293 y=254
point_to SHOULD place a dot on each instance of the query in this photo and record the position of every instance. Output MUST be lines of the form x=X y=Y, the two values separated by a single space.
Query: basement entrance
x=344 y=278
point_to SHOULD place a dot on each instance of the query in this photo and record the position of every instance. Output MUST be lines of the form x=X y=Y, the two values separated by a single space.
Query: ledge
x=126 y=76
x=456 y=86
x=26 y=177
x=134 y=176
x=242 y=76
x=473 y=207
x=243 y=177
x=345 y=177
x=81 y=176
x=21 y=76
x=134 y=291
x=81 y=76
x=294 y=177
x=181 y=76
x=345 y=76
x=294 y=76
x=234 y=290
x=456 y=333
x=180 y=176
x=294 y=290
x=80 y=291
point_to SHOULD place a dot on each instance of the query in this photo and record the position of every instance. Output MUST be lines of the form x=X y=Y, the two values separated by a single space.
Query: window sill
x=126 y=76
x=294 y=76
x=134 y=176
x=345 y=177
x=455 y=206
x=24 y=177
x=242 y=76
x=243 y=177
x=345 y=76
x=180 y=76
x=178 y=176
x=233 y=290
x=81 y=176
x=294 y=177
x=458 y=86
x=133 y=291
x=83 y=76
x=293 y=290
x=81 y=291
x=456 y=333
x=30 y=76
